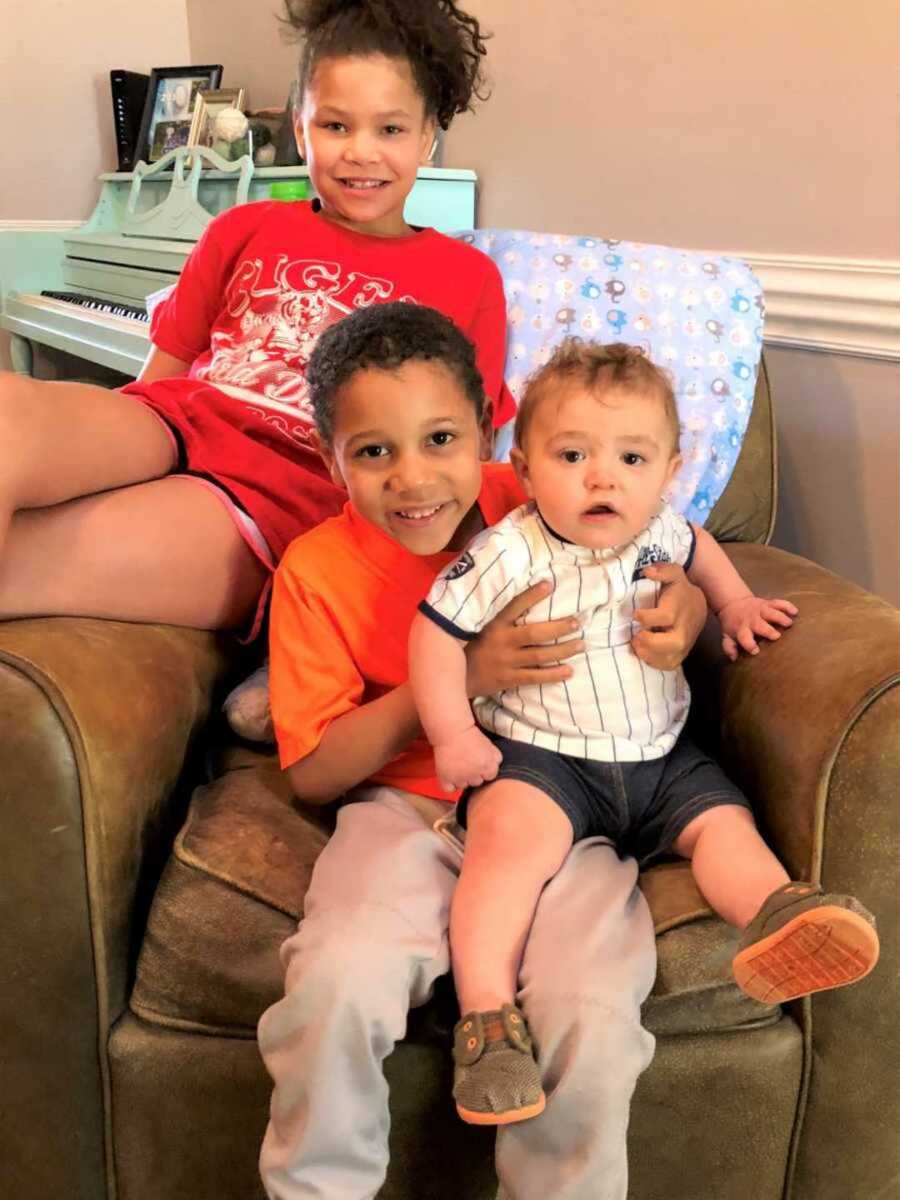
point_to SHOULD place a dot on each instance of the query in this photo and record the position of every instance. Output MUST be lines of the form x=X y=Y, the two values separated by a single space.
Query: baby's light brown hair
x=595 y=367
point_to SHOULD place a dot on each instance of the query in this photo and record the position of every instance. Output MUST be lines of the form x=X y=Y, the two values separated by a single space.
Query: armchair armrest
x=784 y=717
x=810 y=728
x=97 y=717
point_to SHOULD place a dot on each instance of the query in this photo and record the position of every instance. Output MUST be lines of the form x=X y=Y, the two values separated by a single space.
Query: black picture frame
x=170 y=102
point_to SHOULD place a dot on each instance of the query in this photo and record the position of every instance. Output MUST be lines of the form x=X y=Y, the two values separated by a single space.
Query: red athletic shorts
x=249 y=456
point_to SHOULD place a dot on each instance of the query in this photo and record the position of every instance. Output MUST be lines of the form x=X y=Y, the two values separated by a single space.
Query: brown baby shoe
x=496 y=1080
x=804 y=940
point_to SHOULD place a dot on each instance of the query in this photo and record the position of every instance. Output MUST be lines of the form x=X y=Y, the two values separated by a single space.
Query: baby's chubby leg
x=517 y=840
x=589 y=963
x=734 y=868
x=796 y=939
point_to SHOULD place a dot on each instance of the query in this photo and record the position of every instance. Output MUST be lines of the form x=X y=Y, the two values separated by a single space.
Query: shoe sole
x=505 y=1118
x=824 y=948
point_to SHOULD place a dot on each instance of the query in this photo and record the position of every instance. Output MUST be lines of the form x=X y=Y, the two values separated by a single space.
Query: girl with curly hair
x=172 y=499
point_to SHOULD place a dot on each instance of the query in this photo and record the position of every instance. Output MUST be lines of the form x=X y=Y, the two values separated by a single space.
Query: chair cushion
x=745 y=512
x=233 y=889
x=697 y=314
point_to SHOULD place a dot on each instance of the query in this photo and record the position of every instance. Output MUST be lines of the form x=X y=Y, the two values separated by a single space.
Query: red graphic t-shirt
x=266 y=279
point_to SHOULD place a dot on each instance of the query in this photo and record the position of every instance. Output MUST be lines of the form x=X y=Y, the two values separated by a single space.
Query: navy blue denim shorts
x=641 y=807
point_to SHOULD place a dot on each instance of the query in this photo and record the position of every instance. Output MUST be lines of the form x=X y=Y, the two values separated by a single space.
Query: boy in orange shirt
x=402 y=422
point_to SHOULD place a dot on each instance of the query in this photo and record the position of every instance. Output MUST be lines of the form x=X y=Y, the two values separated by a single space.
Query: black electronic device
x=129 y=94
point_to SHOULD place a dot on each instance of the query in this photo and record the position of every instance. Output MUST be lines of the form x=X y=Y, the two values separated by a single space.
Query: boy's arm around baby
x=363 y=739
x=360 y=742
x=673 y=626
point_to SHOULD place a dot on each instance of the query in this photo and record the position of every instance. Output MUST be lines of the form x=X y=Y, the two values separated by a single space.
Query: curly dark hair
x=386 y=336
x=595 y=367
x=443 y=45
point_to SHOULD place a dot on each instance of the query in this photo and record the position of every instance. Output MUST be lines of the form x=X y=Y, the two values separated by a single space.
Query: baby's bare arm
x=463 y=756
x=743 y=616
x=437 y=676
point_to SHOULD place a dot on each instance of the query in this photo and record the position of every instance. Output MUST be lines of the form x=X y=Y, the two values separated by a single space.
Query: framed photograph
x=208 y=104
x=168 y=111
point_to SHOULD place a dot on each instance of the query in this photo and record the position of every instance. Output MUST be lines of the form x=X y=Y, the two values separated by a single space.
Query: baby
x=602 y=753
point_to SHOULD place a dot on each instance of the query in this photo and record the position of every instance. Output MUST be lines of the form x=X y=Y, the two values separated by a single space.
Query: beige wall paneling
x=839 y=448
x=841 y=305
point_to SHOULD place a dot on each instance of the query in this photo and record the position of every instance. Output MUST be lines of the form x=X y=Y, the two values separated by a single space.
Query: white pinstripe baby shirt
x=614 y=708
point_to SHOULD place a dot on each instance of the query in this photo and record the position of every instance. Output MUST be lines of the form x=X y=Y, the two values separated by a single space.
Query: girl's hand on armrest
x=669 y=630
x=507 y=655
x=750 y=617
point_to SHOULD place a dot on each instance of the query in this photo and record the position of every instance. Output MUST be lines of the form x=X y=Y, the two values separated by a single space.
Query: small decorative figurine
x=231 y=139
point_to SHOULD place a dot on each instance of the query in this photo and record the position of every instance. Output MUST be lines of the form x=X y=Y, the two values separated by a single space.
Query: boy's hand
x=468 y=760
x=507 y=655
x=744 y=620
x=671 y=628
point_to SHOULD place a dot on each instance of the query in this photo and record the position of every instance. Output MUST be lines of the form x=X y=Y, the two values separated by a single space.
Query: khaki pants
x=373 y=941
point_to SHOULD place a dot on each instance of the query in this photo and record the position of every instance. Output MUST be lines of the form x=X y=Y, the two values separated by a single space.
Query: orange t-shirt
x=343 y=601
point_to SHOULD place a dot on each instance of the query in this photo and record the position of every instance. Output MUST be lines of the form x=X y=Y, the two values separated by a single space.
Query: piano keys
x=108 y=307
x=119 y=342
x=136 y=242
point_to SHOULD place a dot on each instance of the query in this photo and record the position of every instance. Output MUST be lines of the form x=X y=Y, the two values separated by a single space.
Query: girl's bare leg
x=86 y=534
x=62 y=440
x=163 y=551
x=516 y=840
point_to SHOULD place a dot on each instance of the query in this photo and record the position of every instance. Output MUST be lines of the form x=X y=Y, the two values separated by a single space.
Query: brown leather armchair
x=144 y=908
